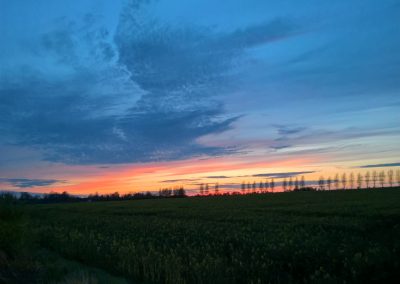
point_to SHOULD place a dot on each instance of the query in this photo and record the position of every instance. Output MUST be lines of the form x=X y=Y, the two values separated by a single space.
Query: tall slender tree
x=201 y=189
x=359 y=180
x=321 y=183
x=290 y=183
x=374 y=178
x=206 y=189
x=284 y=184
x=367 y=179
x=344 y=180
x=272 y=185
x=261 y=186
x=351 y=180
x=382 y=178
x=398 y=177
x=302 y=182
x=243 y=187
x=296 y=183
x=337 y=181
x=266 y=185
x=216 y=188
x=390 y=177
x=329 y=183
x=254 y=187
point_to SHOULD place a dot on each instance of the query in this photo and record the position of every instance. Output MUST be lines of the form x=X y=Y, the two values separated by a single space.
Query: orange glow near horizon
x=229 y=172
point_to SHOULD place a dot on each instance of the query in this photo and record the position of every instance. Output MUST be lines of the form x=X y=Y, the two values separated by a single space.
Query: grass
x=297 y=237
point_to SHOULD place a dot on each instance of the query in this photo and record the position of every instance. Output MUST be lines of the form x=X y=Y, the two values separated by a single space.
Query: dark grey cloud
x=27 y=183
x=218 y=177
x=179 y=180
x=283 y=175
x=381 y=165
x=279 y=147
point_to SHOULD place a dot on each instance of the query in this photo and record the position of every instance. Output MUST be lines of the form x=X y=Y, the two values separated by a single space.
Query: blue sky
x=106 y=84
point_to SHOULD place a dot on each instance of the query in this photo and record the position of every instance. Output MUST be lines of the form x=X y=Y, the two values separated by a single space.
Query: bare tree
x=374 y=178
x=216 y=189
x=398 y=177
x=248 y=187
x=201 y=189
x=243 y=187
x=290 y=183
x=302 y=182
x=261 y=186
x=254 y=187
x=266 y=185
x=390 y=177
x=382 y=178
x=359 y=180
x=206 y=189
x=367 y=179
x=329 y=182
x=321 y=183
x=272 y=185
x=284 y=184
x=337 y=181
x=351 y=180
x=296 y=184
x=344 y=180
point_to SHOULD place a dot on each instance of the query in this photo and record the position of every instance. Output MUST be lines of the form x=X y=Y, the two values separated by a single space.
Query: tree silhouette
x=216 y=189
x=302 y=182
x=266 y=185
x=359 y=180
x=390 y=177
x=321 y=183
x=248 y=187
x=296 y=184
x=351 y=180
x=329 y=182
x=284 y=185
x=374 y=178
x=272 y=185
x=290 y=183
x=382 y=178
x=254 y=186
x=243 y=187
x=261 y=186
x=206 y=189
x=367 y=179
x=398 y=177
x=344 y=180
x=337 y=181
x=201 y=189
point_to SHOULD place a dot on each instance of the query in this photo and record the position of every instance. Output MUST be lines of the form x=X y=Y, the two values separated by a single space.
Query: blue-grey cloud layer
x=148 y=95
x=28 y=183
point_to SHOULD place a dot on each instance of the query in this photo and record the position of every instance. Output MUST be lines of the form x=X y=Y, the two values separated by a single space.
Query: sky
x=104 y=96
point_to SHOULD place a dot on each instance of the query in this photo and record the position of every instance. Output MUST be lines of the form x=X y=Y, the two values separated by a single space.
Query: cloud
x=179 y=180
x=146 y=94
x=221 y=177
x=27 y=183
x=283 y=175
x=289 y=130
x=381 y=165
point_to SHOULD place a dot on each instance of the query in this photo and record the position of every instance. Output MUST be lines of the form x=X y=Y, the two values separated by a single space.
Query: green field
x=298 y=237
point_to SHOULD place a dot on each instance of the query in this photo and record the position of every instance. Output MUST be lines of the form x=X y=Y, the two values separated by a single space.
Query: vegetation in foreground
x=296 y=237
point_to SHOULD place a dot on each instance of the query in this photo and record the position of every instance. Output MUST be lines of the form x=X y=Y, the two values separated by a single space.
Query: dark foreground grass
x=297 y=237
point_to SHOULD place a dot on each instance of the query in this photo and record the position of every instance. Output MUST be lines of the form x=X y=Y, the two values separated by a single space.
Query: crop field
x=297 y=237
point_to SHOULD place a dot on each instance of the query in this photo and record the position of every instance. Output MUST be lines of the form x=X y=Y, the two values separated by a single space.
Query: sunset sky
x=104 y=96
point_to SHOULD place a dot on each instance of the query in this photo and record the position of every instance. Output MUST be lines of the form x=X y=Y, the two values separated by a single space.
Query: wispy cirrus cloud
x=283 y=175
x=381 y=165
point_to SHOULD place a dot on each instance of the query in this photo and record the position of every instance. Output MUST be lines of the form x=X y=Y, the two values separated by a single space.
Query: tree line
x=344 y=180
x=54 y=197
